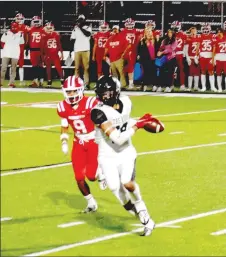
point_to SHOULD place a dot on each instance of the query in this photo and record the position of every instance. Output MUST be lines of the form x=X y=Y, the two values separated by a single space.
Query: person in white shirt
x=11 y=42
x=81 y=33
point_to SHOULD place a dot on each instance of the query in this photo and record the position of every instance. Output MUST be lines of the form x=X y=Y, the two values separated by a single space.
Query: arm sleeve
x=64 y=123
x=120 y=138
x=86 y=31
x=98 y=117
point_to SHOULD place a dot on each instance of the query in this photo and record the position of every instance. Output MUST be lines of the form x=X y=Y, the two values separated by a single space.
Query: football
x=154 y=126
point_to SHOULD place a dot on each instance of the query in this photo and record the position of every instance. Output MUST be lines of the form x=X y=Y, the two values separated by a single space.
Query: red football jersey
x=23 y=28
x=131 y=36
x=79 y=119
x=206 y=46
x=101 y=39
x=193 y=43
x=220 y=45
x=181 y=39
x=51 y=44
x=35 y=35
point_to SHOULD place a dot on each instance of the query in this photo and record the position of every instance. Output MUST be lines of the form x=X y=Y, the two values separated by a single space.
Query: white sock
x=130 y=83
x=90 y=200
x=122 y=195
x=196 y=79
x=190 y=80
x=203 y=81
x=212 y=81
x=10 y=70
x=219 y=82
x=21 y=74
x=142 y=212
x=136 y=195
x=36 y=80
x=41 y=80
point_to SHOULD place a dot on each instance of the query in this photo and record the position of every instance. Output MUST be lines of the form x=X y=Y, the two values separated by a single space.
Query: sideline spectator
x=82 y=34
x=116 y=48
x=12 y=42
x=167 y=48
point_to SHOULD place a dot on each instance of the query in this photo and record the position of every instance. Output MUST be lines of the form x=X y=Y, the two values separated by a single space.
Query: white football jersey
x=120 y=120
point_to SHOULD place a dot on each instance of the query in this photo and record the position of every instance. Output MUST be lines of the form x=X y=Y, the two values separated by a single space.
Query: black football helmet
x=108 y=90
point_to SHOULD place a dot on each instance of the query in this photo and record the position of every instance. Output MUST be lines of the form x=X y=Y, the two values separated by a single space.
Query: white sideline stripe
x=160 y=115
x=222 y=135
x=142 y=153
x=71 y=224
x=104 y=238
x=176 y=132
x=5 y=219
x=168 y=226
x=218 y=233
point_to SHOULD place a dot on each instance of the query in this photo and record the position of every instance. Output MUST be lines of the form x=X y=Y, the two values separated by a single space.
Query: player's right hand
x=188 y=61
x=65 y=147
x=143 y=120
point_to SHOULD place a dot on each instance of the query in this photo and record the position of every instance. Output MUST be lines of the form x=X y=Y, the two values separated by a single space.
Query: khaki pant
x=117 y=67
x=5 y=62
x=82 y=59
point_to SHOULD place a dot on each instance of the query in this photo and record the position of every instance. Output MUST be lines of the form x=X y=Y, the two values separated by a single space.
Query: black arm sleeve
x=85 y=32
x=98 y=116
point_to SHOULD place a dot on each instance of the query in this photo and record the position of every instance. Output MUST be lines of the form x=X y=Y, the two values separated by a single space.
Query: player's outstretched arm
x=64 y=137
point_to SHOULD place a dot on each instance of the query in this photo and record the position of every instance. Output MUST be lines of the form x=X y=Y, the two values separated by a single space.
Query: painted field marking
x=71 y=224
x=4 y=103
x=139 y=154
x=117 y=235
x=218 y=233
x=5 y=219
x=176 y=132
x=168 y=226
x=222 y=135
x=158 y=115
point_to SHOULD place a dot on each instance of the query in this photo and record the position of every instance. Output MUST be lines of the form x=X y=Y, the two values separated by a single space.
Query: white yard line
x=71 y=224
x=28 y=104
x=218 y=233
x=5 y=219
x=139 y=154
x=222 y=135
x=157 y=115
x=167 y=226
x=176 y=132
x=109 y=237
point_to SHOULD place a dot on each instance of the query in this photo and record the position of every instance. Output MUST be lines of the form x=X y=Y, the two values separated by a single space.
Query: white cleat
x=167 y=90
x=89 y=209
x=154 y=89
x=102 y=184
x=149 y=227
x=203 y=89
x=159 y=89
x=182 y=88
x=219 y=90
x=214 y=90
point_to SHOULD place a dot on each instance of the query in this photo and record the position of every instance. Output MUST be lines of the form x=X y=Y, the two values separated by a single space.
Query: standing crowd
x=142 y=55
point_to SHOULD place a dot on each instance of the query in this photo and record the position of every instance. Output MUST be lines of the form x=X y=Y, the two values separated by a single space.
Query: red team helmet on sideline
x=14 y=27
x=49 y=27
x=129 y=23
x=176 y=25
x=104 y=27
x=19 y=18
x=73 y=83
x=150 y=24
x=206 y=29
x=36 y=21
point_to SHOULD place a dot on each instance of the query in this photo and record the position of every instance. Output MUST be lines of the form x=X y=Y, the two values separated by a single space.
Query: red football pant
x=131 y=60
x=206 y=65
x=55 y=60
x=194 y=69
x=35 y=58
x=180 y=64
x=84 y=160
x=21 y=58
x=220 y=67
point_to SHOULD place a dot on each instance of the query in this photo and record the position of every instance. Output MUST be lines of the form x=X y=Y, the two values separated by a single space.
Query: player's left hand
x=143 y=120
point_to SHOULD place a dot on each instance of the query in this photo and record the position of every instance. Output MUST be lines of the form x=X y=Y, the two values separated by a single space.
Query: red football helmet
x=36 y=21
x=76 y=84
x=49 y=27
x=104 y=27
x=19 y=18
x=150 y=24
x=206 y=29
x=14 y=27
x=129 y=23
x=176 y=25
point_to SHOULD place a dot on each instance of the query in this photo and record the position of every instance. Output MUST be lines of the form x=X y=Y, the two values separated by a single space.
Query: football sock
x=130 y=207
x=212 y=81
x=203 y=81
x=90 y=200
x=83 y=187
x=142 y=212
x=219 y=82
x=21 y=74
x=196 y=79
x=190 y=80
x=136 y=196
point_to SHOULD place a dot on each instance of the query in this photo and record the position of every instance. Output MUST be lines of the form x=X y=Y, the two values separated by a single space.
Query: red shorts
x=194 y=69
x=21 y=58
x=220 y=67
x=35 y=58
x=206 y=65
x=84 y=160
x=130 y=57
x=52 y=60
x=99 y=60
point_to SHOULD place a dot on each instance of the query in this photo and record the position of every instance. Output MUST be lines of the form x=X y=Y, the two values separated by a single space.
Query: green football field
x=181 y=173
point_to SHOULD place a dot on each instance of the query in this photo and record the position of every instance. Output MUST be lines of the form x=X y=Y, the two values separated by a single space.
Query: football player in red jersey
x=35 y=35
x=206 y=57
x=100 y=39
x=219 y=51
x=181 y=39
x=132 y=37
x=75 y=111
x=191 y=53
x=51 y=46
x=24 y=29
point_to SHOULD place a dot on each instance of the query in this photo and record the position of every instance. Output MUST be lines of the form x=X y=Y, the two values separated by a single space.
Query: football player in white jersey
x=117 y=155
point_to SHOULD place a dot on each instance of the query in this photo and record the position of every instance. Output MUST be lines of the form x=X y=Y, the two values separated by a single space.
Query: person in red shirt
x=51 y=46
x=181 y=39
x=191 y=53
x=100 y=39
x=35 y=35
x=24 y=29
x=219 y=52
x=116 y=48
x=75 y=111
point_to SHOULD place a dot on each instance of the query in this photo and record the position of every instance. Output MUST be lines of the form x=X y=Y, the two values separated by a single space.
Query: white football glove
x=196 y=60
x=65 y=147
x=188 y=60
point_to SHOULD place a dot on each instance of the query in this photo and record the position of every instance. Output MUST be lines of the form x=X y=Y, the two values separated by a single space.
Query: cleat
x=33 y=85
x=154 y=89
x=89 y=209
x=102 y=184
x=182 y=88
x=149 y=227
x=145 y=88
x=159 y=89
x=12 y=85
